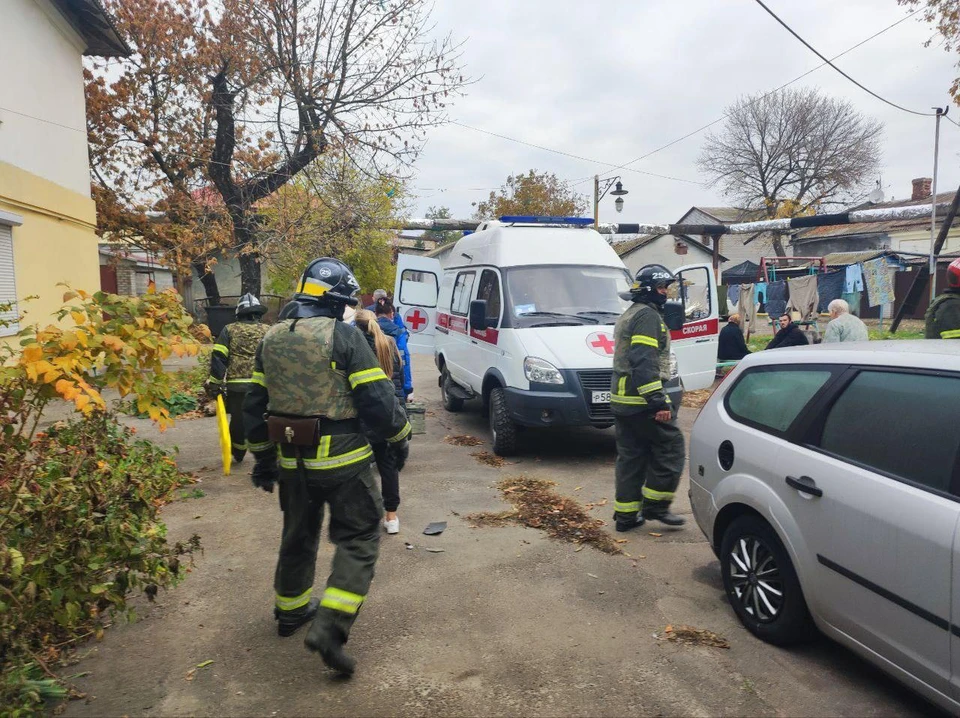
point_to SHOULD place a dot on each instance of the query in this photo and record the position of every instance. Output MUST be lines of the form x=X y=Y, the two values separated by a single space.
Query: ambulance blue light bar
x=530 y=219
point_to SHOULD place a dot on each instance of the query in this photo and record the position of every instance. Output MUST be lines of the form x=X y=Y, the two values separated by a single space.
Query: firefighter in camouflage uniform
x=314 y=371
x=650 y=447
x=231 y=365
x=943 y=316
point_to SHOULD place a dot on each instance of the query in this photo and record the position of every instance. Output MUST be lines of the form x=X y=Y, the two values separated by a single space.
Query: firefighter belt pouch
x=296 y=431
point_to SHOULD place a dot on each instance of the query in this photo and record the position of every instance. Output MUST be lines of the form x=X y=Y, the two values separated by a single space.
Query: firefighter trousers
x=233 y=403
x=356 y=511
x=650 y=459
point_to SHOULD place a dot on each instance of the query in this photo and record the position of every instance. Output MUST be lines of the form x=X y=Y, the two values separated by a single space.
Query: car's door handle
x=805 y=485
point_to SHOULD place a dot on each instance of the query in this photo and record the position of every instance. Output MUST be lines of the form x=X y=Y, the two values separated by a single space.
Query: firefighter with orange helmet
x=943 y=316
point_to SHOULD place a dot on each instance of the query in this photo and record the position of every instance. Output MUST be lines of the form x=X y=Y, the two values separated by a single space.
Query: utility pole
x=941 y=112
x=596 y=200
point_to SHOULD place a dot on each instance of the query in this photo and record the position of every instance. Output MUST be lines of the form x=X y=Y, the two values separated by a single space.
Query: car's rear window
x=913 y=430
x=771 y=399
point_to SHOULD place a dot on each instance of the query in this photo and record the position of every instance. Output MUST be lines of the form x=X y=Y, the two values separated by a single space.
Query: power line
x=568 y=154
x=767 y=94
x=815 y=52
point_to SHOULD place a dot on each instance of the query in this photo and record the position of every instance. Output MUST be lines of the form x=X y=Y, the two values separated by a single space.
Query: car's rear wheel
x=761 y=583
x=450 y=403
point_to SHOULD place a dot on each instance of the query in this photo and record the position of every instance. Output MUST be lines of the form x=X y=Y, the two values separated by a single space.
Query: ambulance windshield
x=561 y=294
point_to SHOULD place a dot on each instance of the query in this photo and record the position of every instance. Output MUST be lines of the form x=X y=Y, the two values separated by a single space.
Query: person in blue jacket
x=386 y=319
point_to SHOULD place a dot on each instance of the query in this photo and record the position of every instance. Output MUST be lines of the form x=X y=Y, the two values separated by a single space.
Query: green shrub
x=79 y=532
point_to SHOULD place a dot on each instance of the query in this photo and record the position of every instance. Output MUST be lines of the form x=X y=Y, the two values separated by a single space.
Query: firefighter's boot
x=327 y=636
x=288 y=622
x=628 y=522
x=661 y=512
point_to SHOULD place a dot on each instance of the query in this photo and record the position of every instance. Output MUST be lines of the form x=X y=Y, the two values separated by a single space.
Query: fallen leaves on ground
x=485 y=457
x=538 y=506
x=695 y=636
x=696 y=399
x=463 y=440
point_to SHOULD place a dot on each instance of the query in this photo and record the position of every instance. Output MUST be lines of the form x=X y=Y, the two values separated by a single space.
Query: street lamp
x=599 y=194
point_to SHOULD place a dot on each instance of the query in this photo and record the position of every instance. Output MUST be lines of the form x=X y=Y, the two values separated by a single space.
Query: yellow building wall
x=56 y=242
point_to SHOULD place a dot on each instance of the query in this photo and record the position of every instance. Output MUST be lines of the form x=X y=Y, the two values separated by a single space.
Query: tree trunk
x=778 y=245
x=244 y=231
x=209 y=281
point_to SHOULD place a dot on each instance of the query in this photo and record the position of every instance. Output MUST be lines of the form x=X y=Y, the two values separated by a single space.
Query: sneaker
x=392 y=527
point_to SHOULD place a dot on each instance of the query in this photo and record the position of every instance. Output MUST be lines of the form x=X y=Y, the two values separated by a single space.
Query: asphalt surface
x=505 y=621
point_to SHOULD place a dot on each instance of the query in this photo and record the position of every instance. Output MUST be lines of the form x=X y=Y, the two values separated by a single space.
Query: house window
x=9 y=311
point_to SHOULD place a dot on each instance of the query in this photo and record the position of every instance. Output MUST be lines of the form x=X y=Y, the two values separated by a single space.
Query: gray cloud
x=614 y=80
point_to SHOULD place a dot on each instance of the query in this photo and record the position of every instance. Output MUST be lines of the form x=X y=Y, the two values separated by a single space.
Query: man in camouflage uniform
x=943 y=316
x=650 y=447
x=312 y=369
x=231 y=364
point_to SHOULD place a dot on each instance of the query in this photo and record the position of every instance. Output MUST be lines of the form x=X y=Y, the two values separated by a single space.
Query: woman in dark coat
x=732 y=346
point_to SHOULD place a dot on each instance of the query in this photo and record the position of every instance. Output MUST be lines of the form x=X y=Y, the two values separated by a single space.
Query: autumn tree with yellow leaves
x=224 y=102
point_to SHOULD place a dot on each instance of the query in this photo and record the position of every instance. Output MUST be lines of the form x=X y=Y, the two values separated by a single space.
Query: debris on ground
x=463 y=440
x=696 y=399
x=538 y=506
x=655 y=534
x=595 y=504
x=436 y=550
x=485 y=457
x=435 y=529
x=695 y=636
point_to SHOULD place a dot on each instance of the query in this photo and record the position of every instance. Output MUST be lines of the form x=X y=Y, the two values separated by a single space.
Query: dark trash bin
x=219 y=316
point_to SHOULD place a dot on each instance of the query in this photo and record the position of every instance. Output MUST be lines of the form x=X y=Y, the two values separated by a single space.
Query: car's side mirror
x=478 y=314
x=673 y=315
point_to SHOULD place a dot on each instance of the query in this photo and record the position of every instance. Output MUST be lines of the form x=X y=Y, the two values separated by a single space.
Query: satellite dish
x=876 y=196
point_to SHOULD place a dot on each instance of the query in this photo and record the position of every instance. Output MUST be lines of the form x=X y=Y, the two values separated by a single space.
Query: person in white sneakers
x=392 y=364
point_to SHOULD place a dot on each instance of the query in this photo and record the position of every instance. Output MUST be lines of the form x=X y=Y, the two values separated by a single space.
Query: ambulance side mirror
x=478 y=314
x=673 y=315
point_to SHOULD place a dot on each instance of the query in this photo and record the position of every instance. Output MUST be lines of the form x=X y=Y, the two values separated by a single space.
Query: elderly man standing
x=844 y=326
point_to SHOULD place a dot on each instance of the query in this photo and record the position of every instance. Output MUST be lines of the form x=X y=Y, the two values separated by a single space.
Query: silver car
x=827 y=480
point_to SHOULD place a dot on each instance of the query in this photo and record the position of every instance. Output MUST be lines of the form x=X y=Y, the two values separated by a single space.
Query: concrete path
x=504 y=622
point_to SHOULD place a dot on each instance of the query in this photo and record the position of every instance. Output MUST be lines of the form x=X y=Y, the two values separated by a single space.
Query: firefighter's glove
x=212 y=389
x=265 y=473
x=401 y=450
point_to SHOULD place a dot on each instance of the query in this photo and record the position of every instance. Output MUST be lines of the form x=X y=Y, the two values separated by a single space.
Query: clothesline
x=811 y=295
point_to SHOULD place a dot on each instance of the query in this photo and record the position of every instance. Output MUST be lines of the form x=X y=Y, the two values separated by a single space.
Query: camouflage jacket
x=318 y=366
x=641 y=361
x=943 y=317
x=233 y=354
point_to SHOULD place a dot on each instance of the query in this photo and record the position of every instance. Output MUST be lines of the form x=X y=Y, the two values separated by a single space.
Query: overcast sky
x=611 y=80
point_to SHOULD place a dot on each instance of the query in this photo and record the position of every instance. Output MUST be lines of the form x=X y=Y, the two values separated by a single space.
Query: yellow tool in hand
x=223 y=428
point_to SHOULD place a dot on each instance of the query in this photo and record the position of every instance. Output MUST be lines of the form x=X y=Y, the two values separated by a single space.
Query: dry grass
x=696 y=399
x=691 y=636
x=538 y=506
x=485 y=457
x=463 y=440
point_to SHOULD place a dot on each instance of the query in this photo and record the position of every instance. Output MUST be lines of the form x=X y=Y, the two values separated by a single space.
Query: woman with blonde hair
x=388 y=356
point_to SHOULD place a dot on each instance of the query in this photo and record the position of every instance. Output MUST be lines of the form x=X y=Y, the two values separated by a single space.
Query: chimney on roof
x=921 y=188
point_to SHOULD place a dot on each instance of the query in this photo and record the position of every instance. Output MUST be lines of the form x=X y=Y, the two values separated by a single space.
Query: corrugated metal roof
x=622 y=248
x=732 y=214
x=96 y=26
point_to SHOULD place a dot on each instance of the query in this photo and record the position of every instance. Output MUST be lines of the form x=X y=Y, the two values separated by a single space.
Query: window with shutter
x=8 y=284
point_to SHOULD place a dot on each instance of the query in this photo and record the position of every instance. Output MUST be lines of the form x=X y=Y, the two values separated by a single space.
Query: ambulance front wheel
x=450 y=403
x=502 y=428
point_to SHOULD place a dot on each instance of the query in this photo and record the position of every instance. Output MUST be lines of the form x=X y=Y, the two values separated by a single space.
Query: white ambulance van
x=522 y=319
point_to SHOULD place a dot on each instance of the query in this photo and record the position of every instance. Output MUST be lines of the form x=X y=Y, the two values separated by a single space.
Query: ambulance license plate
x=600 y=397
